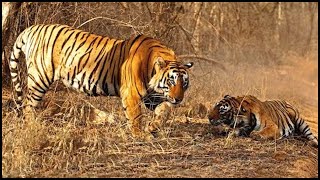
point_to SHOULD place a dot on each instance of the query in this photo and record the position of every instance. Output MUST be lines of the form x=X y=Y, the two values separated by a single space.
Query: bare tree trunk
x=312 y=10
x=221 y=20
x=9 y=11
x=196 y=32
x=5 y=13
x=278 y=25
x=213 y=20
x=287 y=32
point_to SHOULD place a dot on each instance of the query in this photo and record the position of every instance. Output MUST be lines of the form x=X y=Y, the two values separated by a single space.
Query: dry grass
x=66 y=140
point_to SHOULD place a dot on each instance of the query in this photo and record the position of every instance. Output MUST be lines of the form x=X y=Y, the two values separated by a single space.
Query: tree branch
x=220 y=65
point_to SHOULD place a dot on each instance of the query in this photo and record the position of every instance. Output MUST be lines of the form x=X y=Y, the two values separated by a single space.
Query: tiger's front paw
x=257 y=136
x=153 y=127
x=221 y=130
x=140 y=135
x=137 y=133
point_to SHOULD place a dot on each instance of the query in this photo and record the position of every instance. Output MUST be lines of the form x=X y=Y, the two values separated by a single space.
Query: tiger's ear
x=188 y=65
x=227 y=96
x=160 y=62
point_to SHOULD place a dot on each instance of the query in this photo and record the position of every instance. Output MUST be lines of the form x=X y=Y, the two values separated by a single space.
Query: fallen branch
x=120 y=23
x=205 y=59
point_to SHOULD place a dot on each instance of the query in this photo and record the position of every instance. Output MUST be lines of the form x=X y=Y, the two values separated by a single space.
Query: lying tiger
x=249 y=116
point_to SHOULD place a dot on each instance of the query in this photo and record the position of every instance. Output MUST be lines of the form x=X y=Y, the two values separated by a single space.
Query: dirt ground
x=64 y=140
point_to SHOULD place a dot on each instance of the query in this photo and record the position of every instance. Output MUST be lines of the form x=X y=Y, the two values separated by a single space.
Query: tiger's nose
x=178 y=100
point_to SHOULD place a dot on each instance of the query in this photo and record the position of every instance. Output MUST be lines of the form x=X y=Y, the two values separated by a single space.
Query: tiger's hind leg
x=313 y=142
x=304 y=129
x=36 y=90
x=271 y=131
x=268 y=129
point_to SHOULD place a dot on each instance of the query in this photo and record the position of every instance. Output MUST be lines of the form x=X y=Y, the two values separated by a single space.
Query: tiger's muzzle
x=173 y=100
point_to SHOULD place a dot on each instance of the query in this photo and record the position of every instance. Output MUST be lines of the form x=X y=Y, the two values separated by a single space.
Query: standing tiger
x=260 y=119
x=139 y=69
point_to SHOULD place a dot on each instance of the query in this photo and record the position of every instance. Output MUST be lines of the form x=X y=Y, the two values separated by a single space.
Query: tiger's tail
x=14 y=68
x=305 y=130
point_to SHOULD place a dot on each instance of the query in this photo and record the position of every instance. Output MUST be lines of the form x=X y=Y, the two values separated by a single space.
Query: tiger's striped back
x=78 y=58
x=84 y=61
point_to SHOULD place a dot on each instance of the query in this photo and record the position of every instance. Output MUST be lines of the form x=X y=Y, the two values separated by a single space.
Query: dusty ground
x=65 y=141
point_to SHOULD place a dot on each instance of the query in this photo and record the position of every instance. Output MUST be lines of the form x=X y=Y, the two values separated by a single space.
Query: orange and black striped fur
x=260 y=119
x=139 y=69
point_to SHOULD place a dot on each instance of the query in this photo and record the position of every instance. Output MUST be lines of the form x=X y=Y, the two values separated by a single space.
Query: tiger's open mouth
x=174 y=101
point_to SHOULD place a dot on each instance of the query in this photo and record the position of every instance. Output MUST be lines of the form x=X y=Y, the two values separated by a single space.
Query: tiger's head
x=223 y=111
x=171 y=79
x=229 y=112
